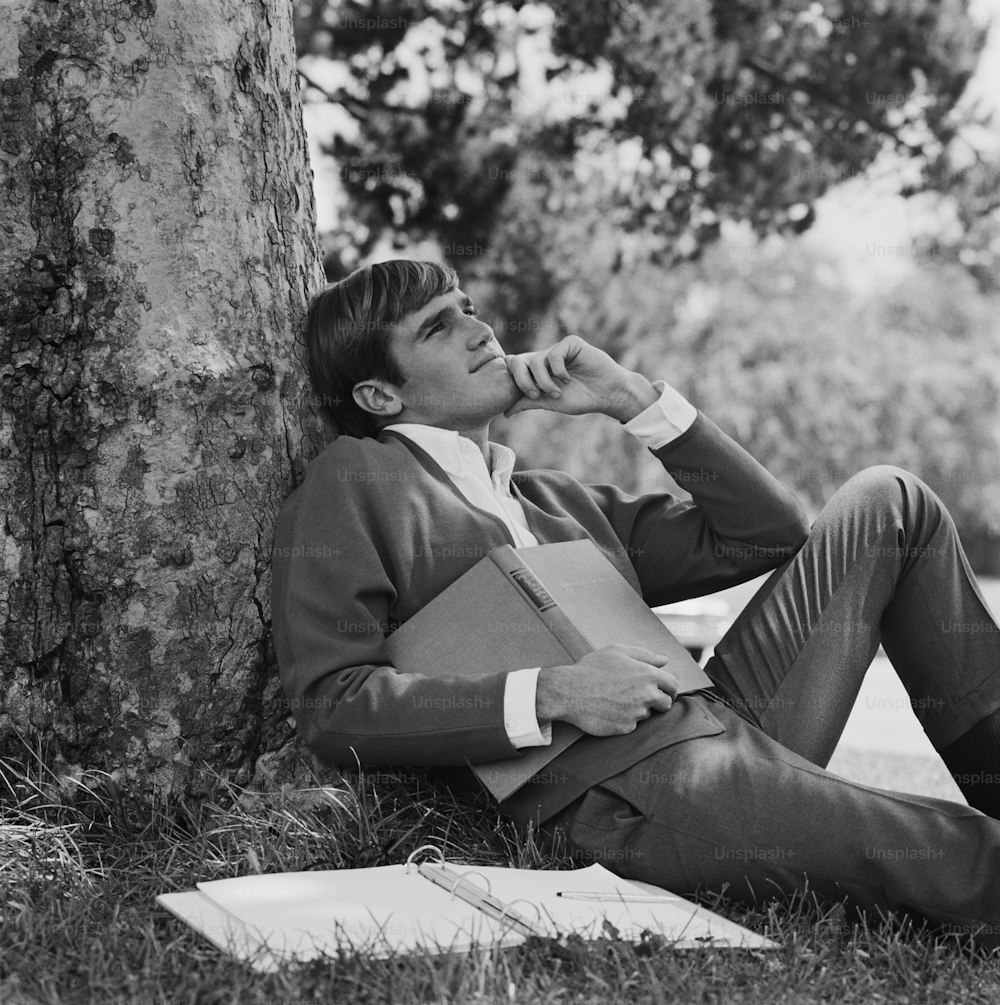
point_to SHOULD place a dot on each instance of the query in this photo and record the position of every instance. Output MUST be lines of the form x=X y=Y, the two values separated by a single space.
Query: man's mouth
x=491 y=359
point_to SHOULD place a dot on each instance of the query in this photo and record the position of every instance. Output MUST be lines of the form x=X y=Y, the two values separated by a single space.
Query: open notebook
x=434 y=907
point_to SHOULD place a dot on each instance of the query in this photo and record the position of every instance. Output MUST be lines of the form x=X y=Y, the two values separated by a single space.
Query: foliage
x=970 y=238
x=828 y=384
x=730 y=111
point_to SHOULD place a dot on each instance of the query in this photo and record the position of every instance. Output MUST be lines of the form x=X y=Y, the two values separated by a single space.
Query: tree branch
x=362 y=109
x=813 y=92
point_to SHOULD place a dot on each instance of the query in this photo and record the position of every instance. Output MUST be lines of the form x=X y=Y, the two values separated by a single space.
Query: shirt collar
x=457 y=454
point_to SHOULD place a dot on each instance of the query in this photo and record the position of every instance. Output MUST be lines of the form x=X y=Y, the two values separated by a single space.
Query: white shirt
x=488 y=488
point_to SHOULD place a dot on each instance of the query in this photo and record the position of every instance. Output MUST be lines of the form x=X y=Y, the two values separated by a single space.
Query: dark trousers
x=752 y=811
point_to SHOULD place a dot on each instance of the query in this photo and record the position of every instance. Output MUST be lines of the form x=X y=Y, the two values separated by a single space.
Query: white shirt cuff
x=519 y=719
x=669 y=416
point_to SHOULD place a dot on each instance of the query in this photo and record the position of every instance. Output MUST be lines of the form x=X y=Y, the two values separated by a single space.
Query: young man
x=702 y=791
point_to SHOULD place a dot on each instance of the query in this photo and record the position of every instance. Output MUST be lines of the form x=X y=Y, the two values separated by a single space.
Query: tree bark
x=156 y=255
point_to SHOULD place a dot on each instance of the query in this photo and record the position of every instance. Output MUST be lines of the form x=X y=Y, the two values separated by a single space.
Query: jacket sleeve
x=739 y=523
x=331 y=596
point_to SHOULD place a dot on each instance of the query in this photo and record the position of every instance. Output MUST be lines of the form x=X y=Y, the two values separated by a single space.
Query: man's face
x=457 y=377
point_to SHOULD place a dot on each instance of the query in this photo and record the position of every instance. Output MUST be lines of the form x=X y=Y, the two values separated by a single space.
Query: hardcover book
x=547 y=605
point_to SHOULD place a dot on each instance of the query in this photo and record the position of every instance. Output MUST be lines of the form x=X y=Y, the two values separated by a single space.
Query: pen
x=616 y=898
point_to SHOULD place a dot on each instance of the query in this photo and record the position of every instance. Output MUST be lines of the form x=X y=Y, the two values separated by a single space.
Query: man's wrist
x=549 y=694
x=635 y=396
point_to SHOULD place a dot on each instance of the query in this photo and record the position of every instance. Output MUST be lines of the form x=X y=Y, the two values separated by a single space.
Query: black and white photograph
x=499 y=502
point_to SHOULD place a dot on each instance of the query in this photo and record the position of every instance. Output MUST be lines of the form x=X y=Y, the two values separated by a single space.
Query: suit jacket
x=377 y=529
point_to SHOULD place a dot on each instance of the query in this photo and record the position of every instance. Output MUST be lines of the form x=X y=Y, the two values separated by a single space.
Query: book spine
x=533 y=590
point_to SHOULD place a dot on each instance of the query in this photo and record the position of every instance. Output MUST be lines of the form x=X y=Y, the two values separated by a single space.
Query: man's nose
x=479 y=333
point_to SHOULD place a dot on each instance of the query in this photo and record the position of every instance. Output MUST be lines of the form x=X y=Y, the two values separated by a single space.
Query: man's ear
x=378 y=397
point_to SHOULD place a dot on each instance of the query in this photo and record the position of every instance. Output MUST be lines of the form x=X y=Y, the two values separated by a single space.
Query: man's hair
x=349 y=329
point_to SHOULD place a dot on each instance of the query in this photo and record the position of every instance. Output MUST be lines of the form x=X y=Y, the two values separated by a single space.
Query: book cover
x=546 y=605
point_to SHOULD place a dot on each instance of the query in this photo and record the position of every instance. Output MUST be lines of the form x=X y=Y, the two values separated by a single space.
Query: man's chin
x=497 y=394
x=511 y=393
x=491 y=398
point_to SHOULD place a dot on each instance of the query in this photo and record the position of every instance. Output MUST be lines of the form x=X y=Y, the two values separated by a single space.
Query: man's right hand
x=608 y=692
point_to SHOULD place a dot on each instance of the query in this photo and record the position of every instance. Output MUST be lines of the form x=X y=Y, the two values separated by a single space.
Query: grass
x=81 y=860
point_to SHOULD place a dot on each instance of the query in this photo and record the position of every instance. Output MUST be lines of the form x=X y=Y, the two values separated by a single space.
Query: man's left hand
x=575 y=378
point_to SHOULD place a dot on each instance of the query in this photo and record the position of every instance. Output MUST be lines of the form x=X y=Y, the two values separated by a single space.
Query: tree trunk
x=156 y=255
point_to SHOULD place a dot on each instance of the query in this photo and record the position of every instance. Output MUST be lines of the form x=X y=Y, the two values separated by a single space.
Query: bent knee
x=886 y=481
x=882 y=476
x=884 y=487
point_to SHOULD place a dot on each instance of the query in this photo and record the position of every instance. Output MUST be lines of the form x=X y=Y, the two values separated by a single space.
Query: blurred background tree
x=639 y=173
